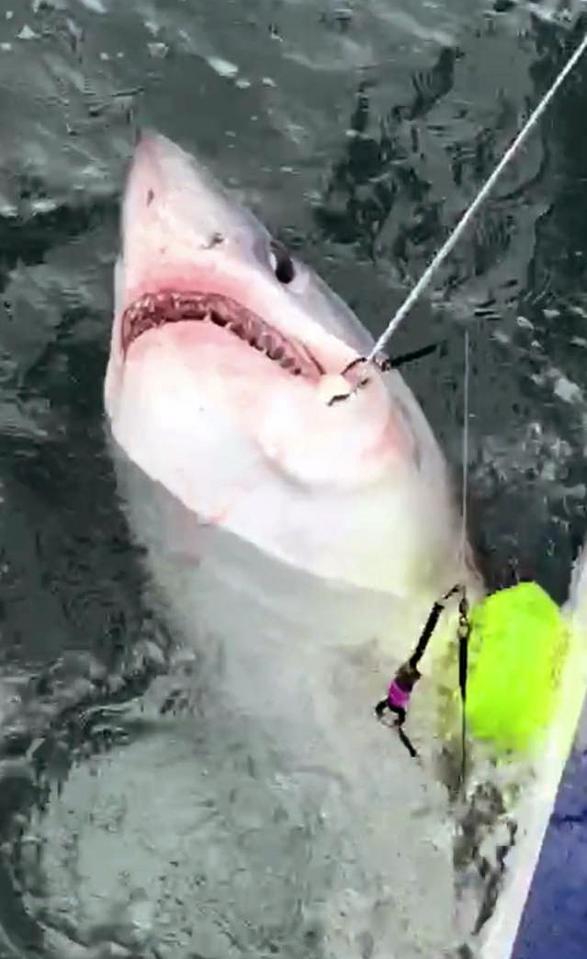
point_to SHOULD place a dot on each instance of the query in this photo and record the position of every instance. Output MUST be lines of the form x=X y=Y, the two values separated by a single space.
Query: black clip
x=463 y=634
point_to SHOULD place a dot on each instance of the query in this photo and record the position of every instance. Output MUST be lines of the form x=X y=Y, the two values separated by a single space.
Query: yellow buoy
x=517 y=647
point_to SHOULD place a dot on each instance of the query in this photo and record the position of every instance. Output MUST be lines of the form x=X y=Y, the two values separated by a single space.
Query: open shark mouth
x=154 y=310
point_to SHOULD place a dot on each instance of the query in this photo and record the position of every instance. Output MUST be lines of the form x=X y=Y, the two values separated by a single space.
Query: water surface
x=358 y=133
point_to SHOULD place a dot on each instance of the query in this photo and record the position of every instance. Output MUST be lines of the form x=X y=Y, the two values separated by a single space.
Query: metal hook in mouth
x=359 y=385
x=383 y=363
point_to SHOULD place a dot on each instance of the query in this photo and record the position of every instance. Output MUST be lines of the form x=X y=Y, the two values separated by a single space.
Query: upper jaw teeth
x=154 y=310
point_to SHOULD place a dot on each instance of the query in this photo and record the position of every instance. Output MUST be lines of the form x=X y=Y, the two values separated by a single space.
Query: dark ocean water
x=358 y=132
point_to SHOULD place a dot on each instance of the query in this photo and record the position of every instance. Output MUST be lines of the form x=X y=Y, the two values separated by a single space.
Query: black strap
x=405 y=739
x=420 y=649
x=431 y=622
x=426 y=634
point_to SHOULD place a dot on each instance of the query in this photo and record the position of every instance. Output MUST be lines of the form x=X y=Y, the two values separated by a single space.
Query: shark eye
x=281 y=262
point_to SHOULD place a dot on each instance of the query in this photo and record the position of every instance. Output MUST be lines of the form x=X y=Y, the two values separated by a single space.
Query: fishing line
x=465 y=448
x=464 y=625
x=482 y=195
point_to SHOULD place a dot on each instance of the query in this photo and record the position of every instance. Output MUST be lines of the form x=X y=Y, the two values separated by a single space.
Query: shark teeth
x=154 y=310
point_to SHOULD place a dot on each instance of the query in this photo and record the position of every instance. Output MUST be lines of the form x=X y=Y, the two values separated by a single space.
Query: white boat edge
x=537 y=805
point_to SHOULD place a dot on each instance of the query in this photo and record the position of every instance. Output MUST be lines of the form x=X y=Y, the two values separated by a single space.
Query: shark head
x=225 y=350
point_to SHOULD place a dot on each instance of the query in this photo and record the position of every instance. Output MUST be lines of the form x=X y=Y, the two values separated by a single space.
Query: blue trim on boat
x=554 y=921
